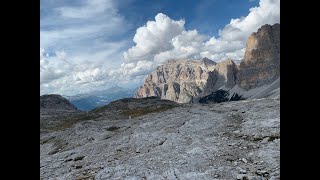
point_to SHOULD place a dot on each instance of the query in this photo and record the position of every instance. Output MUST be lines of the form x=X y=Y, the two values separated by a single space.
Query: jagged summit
x=261 y=63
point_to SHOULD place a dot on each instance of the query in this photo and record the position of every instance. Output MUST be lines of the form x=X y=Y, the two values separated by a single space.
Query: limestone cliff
x=182 y=80
x=261 y=63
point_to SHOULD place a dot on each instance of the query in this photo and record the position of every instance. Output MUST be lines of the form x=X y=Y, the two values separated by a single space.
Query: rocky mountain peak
x=261 y=63
x=177 y=80
x=182 y=80
x=208 y=61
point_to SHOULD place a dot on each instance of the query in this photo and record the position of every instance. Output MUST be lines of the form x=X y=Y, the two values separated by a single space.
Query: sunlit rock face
x=261 y=63
x=182 y=80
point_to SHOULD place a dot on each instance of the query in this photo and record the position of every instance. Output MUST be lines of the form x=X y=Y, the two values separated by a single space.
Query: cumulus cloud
x=188 y=44
x=154 y=38
x=165 y=38
x=238 y=29
x=133 y=69
x=158 y=41
x=234 y=35
x=51 y=68
x=59 y=74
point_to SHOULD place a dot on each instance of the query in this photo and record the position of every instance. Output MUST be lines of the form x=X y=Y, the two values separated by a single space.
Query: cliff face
x=177 y=80
x=226 y=74
x=181 y=80
x=261 y=63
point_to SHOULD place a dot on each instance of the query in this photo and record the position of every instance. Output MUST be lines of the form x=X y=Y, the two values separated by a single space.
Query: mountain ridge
x=89 y=101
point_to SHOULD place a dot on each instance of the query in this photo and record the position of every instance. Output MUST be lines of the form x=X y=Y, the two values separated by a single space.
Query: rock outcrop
x=225 y=73
x=190 y=141
x=56 y=102
x=182 y=80
x=56 y=110
x=261 y=63
x=177 y=80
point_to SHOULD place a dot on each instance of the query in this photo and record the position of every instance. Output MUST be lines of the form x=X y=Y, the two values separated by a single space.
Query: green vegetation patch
x=146 y=110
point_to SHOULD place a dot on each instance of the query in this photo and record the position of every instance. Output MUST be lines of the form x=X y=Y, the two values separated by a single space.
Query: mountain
x=55 y=110
x=56 y=102
x=259 y=72
x=261 y=64
x=116 y=88
x=183 y=80
x=257 y=75
x=89 y=101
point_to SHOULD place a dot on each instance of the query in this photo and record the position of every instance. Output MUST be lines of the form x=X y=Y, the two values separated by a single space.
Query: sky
x=89 y=45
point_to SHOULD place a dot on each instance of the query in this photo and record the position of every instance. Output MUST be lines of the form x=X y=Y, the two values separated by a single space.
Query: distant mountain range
x=89 y=101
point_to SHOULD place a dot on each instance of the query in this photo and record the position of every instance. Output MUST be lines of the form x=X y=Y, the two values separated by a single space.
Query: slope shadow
x=220 y=96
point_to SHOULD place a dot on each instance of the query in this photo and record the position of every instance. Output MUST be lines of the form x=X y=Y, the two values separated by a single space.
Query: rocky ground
x=230 y=140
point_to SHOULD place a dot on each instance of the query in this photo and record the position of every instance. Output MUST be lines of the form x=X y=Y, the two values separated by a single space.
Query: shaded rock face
x=57 y=102
x=56 y=110
x=225 y=74
x=261 y=63
x=220 y=96
x=182 y=80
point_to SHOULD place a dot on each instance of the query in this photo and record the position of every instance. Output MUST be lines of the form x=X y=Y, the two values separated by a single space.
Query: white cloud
x=158 y=41
x=153 y=38
x=165 y=38
x=239 y=29
x=91 y=8
x=59 y=74
x=188 y=44
x=79 y=39
x=76 y=28
x=234 y=35
x=133 y=69
x=51 y=68
x=97 y=63
x=61 y=55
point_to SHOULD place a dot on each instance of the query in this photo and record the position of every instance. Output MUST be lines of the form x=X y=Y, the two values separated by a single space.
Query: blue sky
x=207 y=16
x=91 y=44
